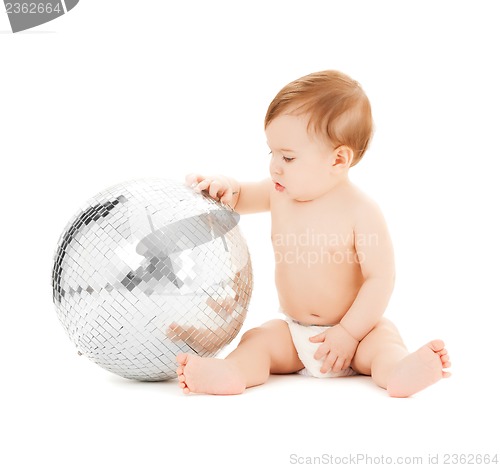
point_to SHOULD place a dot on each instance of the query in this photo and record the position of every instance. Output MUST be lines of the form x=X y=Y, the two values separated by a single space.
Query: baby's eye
x=287 y=160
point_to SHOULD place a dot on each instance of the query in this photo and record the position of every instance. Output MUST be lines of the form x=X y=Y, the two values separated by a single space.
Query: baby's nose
x=276 y=168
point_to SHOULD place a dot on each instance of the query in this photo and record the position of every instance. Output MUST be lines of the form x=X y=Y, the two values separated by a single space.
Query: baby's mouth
x=279 y=187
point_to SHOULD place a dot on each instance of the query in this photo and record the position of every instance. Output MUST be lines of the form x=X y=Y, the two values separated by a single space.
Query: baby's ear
x=343 y=156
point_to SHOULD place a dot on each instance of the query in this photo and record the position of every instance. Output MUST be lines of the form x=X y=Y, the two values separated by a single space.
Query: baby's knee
x=254 y=333
x=385 y=325
x=265 y=331
x=385 y=331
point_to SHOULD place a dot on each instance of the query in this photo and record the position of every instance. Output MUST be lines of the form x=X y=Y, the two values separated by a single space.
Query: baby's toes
x=184 y=387
x=445 y=358
x=438 y=346
x=182 y=359
x=443 y=353
x=445 y=363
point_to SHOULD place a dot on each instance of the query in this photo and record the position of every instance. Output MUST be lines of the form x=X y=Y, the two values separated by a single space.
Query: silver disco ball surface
x=148 y=269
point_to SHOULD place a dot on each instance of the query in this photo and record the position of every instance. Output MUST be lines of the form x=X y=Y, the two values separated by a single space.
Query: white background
x=119 y=89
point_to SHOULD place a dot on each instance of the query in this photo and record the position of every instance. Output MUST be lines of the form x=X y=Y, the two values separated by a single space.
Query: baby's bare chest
x=311 y=229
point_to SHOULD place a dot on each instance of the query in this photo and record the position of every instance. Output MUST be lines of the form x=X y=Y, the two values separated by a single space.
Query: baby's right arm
x=244 y=198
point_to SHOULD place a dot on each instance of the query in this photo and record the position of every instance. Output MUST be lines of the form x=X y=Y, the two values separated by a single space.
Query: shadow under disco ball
x=148 y=269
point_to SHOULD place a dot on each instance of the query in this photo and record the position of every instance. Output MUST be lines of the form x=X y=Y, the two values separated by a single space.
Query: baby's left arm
x=376 y=258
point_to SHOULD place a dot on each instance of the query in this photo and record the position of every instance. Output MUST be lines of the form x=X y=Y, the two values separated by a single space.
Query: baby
x=333 y=253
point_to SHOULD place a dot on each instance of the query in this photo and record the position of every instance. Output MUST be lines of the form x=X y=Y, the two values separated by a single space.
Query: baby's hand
x=218 y=187
x=338 y=348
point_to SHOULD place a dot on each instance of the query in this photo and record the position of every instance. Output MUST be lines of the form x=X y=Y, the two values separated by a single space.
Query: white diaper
x=306 y=349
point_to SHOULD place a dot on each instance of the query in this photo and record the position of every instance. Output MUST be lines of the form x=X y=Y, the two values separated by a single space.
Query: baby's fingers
x=318 y=338
x=194 y=179
x=322 y=351
x=340 y=364
x=202 y=185
x=216 y=190
x=227 y=197
x=330 y=361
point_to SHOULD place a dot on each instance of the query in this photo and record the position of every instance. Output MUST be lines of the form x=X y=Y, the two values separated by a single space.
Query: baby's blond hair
x=338 y=109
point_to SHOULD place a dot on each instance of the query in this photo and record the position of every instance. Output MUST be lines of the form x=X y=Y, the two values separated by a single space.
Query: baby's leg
x=383 y=355
x=261 y=351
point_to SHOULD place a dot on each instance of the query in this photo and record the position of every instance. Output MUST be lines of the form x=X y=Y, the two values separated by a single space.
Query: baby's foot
x=209 y=375
x=418 y=370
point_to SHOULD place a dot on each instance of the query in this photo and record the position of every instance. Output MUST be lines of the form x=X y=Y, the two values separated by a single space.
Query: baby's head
x=338 y=110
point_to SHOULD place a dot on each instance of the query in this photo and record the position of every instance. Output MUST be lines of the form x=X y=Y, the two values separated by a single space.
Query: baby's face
x=301 y=163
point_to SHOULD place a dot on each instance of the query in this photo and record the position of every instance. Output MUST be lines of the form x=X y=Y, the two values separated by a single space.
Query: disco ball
x=148 y=269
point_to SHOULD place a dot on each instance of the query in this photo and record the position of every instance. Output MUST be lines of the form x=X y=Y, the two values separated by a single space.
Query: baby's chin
x=301 y=196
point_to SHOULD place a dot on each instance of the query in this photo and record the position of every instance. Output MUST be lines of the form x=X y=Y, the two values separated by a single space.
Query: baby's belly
x=319 y=294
